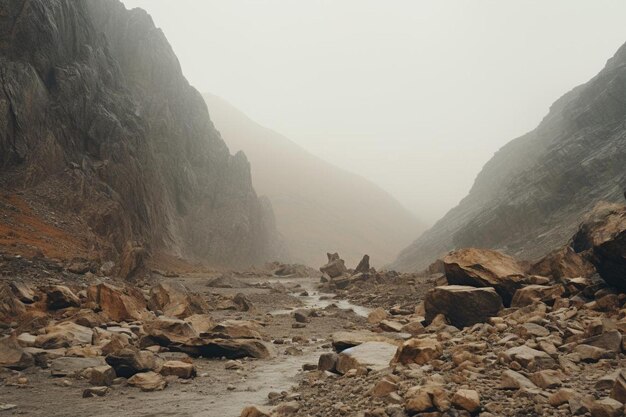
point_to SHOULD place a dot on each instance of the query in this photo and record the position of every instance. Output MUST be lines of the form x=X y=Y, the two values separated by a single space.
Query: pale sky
x=413 y=95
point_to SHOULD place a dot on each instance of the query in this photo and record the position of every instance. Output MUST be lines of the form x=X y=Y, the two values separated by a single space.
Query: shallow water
x=313 y=300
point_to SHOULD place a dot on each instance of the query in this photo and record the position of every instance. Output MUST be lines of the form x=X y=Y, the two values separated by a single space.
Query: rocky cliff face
x=319 y=207
x=530 y=196
x=98 y=122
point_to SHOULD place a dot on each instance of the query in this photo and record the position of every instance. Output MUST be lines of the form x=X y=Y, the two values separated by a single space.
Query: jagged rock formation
x=530 y=196
x=98 y=122
x=319 y=207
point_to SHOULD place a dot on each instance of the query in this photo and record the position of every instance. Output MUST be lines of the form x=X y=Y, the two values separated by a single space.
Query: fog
x=415 y=96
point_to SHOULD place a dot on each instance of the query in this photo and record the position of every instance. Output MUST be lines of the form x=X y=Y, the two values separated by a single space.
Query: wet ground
x=216 y=392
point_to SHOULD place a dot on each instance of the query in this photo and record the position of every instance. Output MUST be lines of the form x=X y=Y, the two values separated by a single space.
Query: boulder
x=242 y=303
x=118 y=304
x=364 y=265
x=102 y=376
x=377 y=315
x=229 y=348
x=166 y=331
x=148 y=381
x=563 y=263
x=69 y=366
x=255 y=411
x=59 y=296
x=236 y=329
x=618 y=392
x=178 y=368
x=419 y=351
x=467 y=399
x=514 y=380
x=201 y=323
x=383 y=388
x=11 y=308
x=531 y=294
x=607 y=407
x=327 y=362
x=529 y=358
x=174 y=300
x=369 y=355
x=485 y=268
x=345 y=340
x=23 y=292
x=610 y=340
x=12 y=355
x=64 y=334
x=462 y=305
x=335 y=266
x=603 y=235
x=130 y=361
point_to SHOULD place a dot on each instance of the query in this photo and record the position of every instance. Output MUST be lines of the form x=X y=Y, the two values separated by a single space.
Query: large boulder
x=363 y=266
x=174 y=300
x=462 y=305
x=59 y=296
x=563 y=263
x=369 y=355
x=229 y=348
x=64 y=334
x=166 y=331
x=335 y=266
x=12 y=355
x=130 y=361
x=11 y=308
x=148 y=381
x=236 y=329
x=419 y=351
x=533 y=293
x=602 y=235
x=485 y=268
x=118 y=304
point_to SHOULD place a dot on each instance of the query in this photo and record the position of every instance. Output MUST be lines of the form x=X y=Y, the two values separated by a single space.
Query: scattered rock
x=148 y=381
x=462 y=305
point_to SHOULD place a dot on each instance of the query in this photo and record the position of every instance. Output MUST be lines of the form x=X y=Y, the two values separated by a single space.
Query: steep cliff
x=319 y=207
x=531 y=195
x=98 y=123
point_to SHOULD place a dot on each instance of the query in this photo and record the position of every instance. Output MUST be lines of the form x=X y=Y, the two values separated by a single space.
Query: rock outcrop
x=529 y=198
x=98 y=121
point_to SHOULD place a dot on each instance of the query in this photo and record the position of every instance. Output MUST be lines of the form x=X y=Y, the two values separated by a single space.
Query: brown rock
x=327 y=362
x=13 y=356
x=255 y=411
x=607 y=407
x=335 y=266
x=369 y=355
x=102 y=376
x=148 y=381
x=364 y=265
x=377 y=315
x=174 y=300
x=531 y=294
x=391 y=326
x=529 y=358
x=562 y=396
x=59 y=296
x=514 y=380
x=548 y=378
x=118 y=304
x=178 y=368
x=383 y=388
x=462 y=305
x=236 y=329
x=166 y=331
x=467 y=399
x=485 y=268
x=419 y=351
x=619 y=388
x=95 y=392
x=11 y=308
x=563 y=262
x=64 y=334
x=130 y=361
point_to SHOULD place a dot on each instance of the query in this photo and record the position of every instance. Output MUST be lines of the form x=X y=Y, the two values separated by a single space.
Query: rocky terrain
x=101 y=134
x=488 y=335
x=318 y=206
x=529 y=197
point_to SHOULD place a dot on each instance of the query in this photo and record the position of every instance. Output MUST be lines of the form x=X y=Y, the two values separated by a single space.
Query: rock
x=414 y=328
x=514 y=380
x=369 y=355
x=301 y=316
x=174 y=300
x=95 y=392
x=607 y=407
x=178 y=368
x=166 y=331
x=391 y=326
x=619 y=388
x=201 y=323
x=485 y=268
x=327 y=362
x=529 y=358
x=118 y=304
x=23 y=292
x=377 y=315
x=13 y=356
x=102 y=376
x=547 y=378
x=462 y=305
x=562 y=263
x=383 y=388
x=419 y=351
x=130 y=361
x=59 y=296
x=11 y=308
x=419 y=401
x=531 y=294
x=603 y=234
x=236 y=329
x=68 y=367
x=345 y=340
x=148 y=381
x=255 y=411
x=591 y=354
x=229 y=348
x=562 y=396
x=364 y=265
x=242 y=302
x=64 y=334
x=529 y=330
x=467 y=399
x=611 y=341
x=335 y=266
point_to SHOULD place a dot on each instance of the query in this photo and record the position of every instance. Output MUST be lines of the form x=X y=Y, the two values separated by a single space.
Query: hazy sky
x=414 y=95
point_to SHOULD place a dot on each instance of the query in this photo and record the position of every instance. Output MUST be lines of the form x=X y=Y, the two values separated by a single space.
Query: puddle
x=314 y=299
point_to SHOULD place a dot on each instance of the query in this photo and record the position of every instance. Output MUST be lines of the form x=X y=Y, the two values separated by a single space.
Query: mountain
x=101 y=133
x=319 y=207
x=530 y=197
